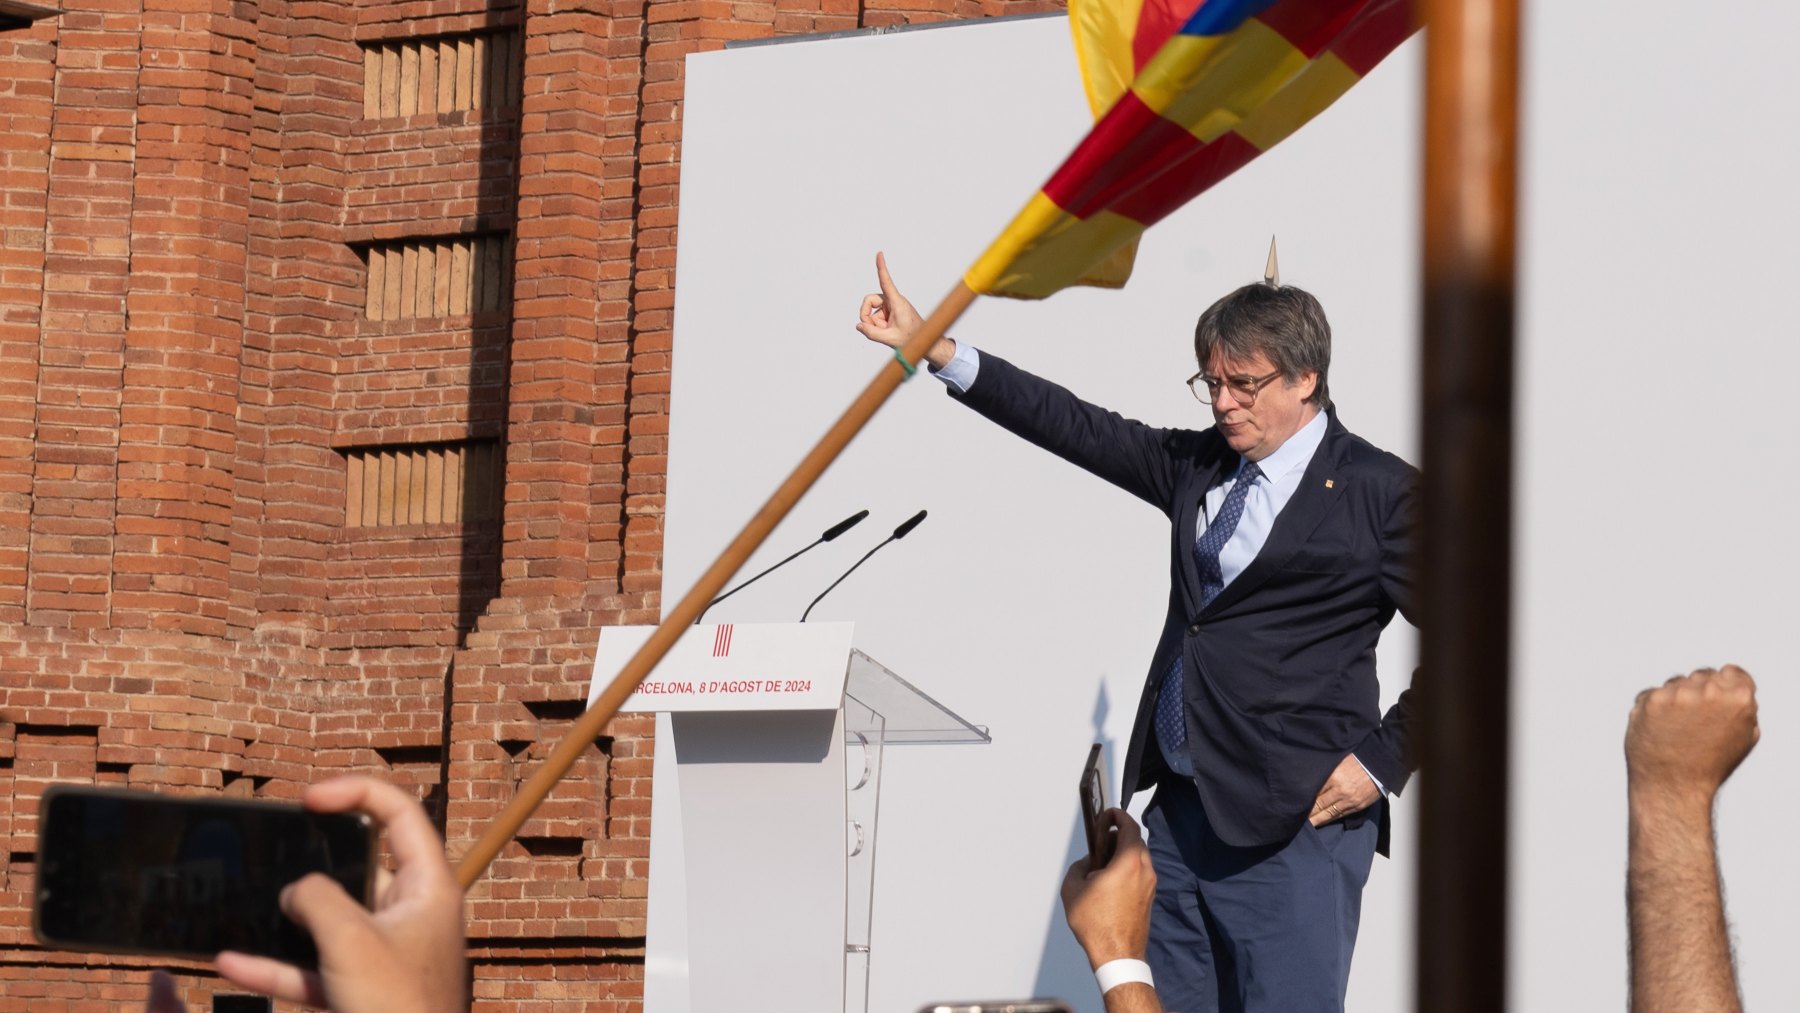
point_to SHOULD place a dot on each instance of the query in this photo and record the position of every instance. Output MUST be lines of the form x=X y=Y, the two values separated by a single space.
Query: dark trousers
x=1253 y=930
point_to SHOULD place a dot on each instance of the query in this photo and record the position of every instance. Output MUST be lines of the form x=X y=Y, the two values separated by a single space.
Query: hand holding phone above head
x=407 y=954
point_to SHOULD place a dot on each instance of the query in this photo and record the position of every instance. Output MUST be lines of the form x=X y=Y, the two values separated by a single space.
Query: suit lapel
x=1321 y=487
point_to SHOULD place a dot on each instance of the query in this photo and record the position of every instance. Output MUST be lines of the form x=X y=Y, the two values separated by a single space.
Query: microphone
x=830 y=533
x=900 y=532
x=840 y=527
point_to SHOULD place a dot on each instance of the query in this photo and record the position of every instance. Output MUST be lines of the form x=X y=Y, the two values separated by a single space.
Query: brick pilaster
x=93 y=155
x=184 y=338
x=570 y=315
x=27 y=64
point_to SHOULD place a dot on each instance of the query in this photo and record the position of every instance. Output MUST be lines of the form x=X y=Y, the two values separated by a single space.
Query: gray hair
x=1284 y=323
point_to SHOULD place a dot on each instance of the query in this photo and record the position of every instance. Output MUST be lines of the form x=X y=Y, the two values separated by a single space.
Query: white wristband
x=1114 y=973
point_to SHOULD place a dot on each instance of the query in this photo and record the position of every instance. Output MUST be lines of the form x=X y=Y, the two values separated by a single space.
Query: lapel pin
x=1328 y=483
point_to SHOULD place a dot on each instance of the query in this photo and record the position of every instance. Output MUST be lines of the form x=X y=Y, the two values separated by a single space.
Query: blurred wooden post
x=1471 y=144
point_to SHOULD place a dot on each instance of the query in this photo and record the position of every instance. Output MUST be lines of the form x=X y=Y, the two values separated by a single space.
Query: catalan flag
x=1191 y=91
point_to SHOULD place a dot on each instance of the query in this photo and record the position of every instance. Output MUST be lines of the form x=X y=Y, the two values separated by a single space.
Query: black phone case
x=123 y=871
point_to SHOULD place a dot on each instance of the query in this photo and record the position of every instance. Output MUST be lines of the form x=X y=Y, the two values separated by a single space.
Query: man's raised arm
x=1683 y=740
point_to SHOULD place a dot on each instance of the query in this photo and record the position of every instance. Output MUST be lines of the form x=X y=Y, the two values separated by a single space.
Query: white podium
x=779 y=731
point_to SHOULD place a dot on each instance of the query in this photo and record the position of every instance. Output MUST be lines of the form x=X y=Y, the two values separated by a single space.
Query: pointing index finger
x=881 y=273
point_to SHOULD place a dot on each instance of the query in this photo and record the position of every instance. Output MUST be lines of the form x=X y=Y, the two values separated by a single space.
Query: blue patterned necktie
x=1171 y=724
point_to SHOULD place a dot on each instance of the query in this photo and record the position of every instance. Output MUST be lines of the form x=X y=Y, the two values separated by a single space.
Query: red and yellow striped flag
x=1192 y=90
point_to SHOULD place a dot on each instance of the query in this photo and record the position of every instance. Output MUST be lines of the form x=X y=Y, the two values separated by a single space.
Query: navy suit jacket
x=1281 y=665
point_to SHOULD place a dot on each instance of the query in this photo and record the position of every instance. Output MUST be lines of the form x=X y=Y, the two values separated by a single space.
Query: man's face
x=1278 y=411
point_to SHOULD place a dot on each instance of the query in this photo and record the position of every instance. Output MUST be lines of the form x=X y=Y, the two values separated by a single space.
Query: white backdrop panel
x=1657 y=501
x=1031 y=598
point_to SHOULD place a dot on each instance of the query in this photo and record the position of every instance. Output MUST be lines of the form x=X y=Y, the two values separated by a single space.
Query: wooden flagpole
x=1471 y=154
x=594 y=721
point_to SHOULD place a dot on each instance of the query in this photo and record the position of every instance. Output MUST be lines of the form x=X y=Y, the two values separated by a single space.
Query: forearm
x=940 y=353
x=1680 y=944
x=1133 y=997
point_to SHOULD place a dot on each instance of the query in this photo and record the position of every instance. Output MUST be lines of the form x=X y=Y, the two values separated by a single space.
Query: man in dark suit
x=1259 y=725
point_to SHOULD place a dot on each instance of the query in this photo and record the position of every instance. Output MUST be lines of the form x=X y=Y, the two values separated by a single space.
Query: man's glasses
x=1243 y=388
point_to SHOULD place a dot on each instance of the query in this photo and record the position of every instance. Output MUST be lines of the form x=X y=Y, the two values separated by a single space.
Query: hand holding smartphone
x=124 y=871
x=406 y=954
x=280 y=895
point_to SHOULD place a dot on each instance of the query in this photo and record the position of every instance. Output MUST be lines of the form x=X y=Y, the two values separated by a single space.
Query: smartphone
x=122 y=871
x=1093 y=806
x=999 y=1006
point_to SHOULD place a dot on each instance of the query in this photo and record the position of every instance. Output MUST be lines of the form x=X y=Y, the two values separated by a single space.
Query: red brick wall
x=191 y=193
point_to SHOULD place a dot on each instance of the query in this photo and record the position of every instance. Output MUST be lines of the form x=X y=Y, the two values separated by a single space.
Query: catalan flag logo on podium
x=1185 y=93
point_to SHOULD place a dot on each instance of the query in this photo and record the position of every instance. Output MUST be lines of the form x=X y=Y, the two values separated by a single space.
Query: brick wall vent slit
x=472 y=72
x=435 y=483
x=426 y=278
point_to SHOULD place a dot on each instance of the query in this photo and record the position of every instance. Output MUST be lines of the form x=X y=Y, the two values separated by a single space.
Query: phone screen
x=129 y=871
